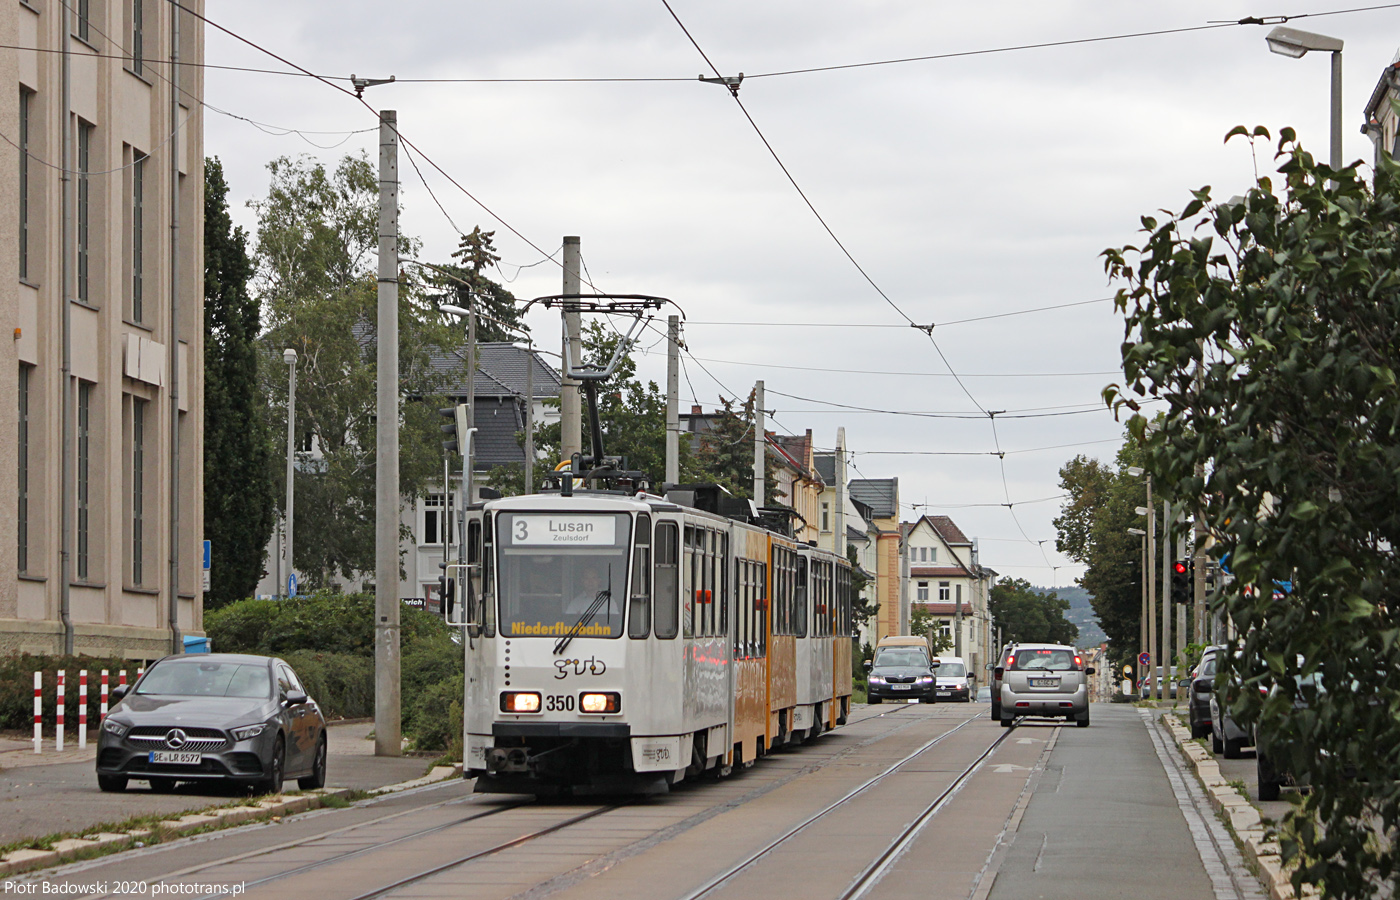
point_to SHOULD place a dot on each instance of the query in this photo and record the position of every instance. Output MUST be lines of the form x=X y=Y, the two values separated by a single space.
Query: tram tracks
x=545 y=829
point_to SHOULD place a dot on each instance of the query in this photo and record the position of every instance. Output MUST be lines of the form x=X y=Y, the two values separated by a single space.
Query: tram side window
x=692 y=582
x=799 y=597
x=639 y=613
x=722 y=588
x=760 y=609
x=741 y=599
x=843 y=601
x=667 y=585
x=820 y=584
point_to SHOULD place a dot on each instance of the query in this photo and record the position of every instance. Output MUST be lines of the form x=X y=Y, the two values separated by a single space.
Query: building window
x=923 y=592
x=83 y=11
x=933 y=554
x=826 y=516
x=138 y=485
x=23 y=512
x=435 y=520
x=137 y=38
x=84 y=165
x=138 y=194
x=84 y=430
x=24 y=95
x=944 y=591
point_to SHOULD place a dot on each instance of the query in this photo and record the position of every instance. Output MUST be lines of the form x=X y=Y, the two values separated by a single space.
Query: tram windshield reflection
x=554 y=567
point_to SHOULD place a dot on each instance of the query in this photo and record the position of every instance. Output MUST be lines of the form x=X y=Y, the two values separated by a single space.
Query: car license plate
x=901 y=687
x=1044 y=682
x=179 y=759
x=945 y=693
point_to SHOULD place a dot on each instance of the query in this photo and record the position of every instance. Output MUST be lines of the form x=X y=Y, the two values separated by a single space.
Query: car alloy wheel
x=317 y=778
x=273 y=782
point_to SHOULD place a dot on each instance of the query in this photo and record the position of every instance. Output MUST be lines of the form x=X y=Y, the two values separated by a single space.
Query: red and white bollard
x=58 y=739
x=102 y=708
x=82 y=709
x=38 y=712
x=139 y=672
x=121 y=677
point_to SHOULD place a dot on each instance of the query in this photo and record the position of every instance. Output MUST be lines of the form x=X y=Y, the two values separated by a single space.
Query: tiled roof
x=939 y=572
x=945 y=609
x=825 y=464
x=880 y=494
x=500 y=371
x=950 y=532
x=497 y=423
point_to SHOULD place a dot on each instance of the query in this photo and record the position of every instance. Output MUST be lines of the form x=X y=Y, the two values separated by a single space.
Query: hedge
x=17 y=688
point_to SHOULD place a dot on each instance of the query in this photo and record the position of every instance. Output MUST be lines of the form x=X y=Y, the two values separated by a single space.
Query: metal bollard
x=82 y=709
x=58 y=738
x=38 y=712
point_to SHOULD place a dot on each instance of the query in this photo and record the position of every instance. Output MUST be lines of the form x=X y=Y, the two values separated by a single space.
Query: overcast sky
x=965 y=187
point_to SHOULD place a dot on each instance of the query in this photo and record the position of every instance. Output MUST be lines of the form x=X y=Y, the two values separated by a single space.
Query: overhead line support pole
x=570 y=403
x=673 y=419
x=387 y=723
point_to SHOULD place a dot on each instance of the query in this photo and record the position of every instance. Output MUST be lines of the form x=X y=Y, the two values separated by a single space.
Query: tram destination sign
x=562 y=529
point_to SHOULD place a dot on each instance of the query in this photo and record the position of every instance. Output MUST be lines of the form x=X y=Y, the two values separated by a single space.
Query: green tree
x=921 y=620
x=462 y=283
x=317 y=240
x=1025 y=614
x=632 y=415
x=1267 y=326
x=239 y=492
x=725 y=454
x=1092 y=529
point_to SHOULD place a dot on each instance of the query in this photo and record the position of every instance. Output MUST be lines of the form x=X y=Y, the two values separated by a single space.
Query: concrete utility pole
x=529 y=418
x=1166 y=598
x=177 y=643
x=289 y=356
x=469 y=451
x=673 y=401
x=840 y=543
x=570 y=403
x=1151 y=576
x=388 y=739
x=759 y=489
x=957 y=622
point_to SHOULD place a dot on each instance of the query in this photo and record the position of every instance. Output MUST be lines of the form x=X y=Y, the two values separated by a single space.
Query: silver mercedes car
x=213 y=717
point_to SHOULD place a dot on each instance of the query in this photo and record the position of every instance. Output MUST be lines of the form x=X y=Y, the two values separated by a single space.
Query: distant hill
x=1081 y=613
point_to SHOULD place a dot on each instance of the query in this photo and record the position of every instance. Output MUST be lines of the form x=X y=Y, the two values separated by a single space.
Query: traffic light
x=457 y=428
x=1182 y=582
x=447 y=591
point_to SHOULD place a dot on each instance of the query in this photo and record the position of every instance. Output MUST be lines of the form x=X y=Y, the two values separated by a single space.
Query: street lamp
x=289 y=356
x=1294 y=43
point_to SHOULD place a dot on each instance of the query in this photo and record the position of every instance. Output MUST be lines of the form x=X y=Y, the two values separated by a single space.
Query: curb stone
x=1243 y=817
x=274 y=807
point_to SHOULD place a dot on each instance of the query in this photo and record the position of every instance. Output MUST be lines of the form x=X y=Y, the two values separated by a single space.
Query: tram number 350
x=559 y=702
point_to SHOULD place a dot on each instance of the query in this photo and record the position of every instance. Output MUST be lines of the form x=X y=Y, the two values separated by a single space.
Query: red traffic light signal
x=1181 y=587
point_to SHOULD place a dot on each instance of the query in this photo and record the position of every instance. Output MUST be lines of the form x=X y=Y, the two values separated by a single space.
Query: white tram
x=622 y=643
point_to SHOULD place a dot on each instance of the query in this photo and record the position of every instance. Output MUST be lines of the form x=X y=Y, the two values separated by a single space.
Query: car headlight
x=248 y=731
x=925 y=679
x=876 y=679
x=112 y=726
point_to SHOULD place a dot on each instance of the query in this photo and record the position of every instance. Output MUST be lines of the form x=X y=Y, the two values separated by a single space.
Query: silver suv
x=1043 y=680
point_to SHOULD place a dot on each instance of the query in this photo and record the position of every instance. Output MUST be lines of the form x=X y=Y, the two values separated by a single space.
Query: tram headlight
x=600 y=702
x=520 y=702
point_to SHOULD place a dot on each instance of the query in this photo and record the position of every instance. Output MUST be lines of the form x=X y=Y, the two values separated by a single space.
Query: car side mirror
x=1089 y=671
x=295 y=698
x=119 y=692
x=933 y=665
x=868 y=665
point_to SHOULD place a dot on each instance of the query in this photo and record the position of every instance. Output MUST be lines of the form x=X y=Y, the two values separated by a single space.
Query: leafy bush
x=433 y=716
x=341 y=683
x=17 y=688
x=324 y=621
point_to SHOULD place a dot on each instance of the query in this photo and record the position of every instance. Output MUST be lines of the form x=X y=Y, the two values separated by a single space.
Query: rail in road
x=909 y=801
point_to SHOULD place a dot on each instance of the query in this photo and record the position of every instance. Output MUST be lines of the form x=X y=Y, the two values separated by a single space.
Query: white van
x=953 y=682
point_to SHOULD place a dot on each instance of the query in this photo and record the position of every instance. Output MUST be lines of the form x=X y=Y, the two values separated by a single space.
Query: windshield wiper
x=603 y=596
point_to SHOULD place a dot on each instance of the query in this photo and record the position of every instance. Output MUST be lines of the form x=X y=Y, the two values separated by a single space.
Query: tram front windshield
x=562 y=573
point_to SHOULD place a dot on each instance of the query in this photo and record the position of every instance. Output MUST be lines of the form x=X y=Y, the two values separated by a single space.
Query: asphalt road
x=1038 y=811
x=40 y=795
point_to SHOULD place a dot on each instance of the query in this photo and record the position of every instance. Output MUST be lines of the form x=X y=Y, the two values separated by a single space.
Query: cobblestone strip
x=1224 y=865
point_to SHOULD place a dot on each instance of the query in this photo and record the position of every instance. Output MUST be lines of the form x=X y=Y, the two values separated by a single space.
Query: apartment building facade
x=104 y=475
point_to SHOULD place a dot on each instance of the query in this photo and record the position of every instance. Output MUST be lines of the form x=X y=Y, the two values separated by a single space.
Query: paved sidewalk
x=52 y=792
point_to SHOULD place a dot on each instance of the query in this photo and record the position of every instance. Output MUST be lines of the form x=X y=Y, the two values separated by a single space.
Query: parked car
x=213 y=717
x=900 y=673
x=1227 y=737
x=1044 y=680
x=996 y=669
x=1198 y=692
x=952 y=680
